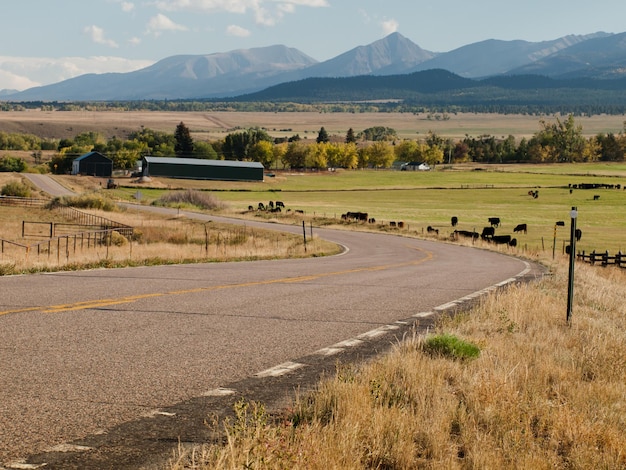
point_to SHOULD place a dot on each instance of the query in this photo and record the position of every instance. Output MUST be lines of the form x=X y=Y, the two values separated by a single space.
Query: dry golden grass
x=215 y=125
x=541 y=395
x=156 y=240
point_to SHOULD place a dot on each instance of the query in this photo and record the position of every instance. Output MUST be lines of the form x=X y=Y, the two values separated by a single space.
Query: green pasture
x=422 y=199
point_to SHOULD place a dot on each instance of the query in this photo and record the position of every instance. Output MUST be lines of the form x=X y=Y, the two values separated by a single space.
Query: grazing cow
x=261 y=206
x=400 y=224
x=521 y=228
x=513 y=242
x=454 y=221
x=596 y=197
x=494 y=221
x=359 y=216
x=250 y=208
x=430 y=229
x=464 y=233
x=488 y=232
x=392 y=224
x=501 y=239
x=578 y=234
x=280 y=204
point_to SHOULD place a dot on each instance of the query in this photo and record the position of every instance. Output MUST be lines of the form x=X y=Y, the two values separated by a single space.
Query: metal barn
x=93 y=164
x=195 y=168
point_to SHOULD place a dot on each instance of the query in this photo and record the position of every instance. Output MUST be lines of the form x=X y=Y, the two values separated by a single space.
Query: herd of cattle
x=487 y=234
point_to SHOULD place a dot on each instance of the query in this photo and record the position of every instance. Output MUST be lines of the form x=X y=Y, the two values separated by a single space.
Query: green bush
x=450 y=346
x=12 y=164
x=15 y=188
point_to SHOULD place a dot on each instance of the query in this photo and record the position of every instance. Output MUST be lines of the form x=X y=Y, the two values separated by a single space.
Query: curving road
x=90 y=357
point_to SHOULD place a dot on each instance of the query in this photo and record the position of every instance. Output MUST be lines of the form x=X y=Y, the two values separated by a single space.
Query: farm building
x=93 y=164
x=195 y=168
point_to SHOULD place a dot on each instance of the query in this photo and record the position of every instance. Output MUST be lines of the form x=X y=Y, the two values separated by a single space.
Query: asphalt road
x=93 y=362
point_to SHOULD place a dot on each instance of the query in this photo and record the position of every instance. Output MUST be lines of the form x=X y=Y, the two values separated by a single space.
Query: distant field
x=422 y=199
x=215 y=125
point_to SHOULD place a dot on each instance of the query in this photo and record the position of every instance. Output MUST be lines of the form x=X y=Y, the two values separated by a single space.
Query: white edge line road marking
x=423 y=314
x=280 y=369
x=378 y=331
x=20 y=465
x=153 y=413
x=219 y=392
x=69 y=448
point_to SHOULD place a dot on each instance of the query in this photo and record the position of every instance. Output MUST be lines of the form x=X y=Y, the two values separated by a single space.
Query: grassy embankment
x=157 y=239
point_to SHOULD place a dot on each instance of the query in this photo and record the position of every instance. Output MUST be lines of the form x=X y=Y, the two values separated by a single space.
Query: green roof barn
x=92 y=163
x=196 y=168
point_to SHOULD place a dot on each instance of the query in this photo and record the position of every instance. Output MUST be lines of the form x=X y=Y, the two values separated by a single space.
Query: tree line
x=561 y=140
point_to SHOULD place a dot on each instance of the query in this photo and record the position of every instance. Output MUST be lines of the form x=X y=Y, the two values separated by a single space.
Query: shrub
x=189 y=197
x=85 y=201
x=12 y=164
x=15 y=188
x=116 y=239
x=450 y=346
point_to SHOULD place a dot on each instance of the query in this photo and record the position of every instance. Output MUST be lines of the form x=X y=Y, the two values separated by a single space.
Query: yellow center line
x=90 y=304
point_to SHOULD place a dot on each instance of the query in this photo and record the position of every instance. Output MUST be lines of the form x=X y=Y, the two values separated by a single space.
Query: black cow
x=494 y=221
x=454 y=221
x=596 y=197
x=501 y=239
x=521 y=228
x=488 y=232
x=360 y=216
x=578 y=233
x=280 y=204
x=261 y=206
x=430 y=229
x=464 y=233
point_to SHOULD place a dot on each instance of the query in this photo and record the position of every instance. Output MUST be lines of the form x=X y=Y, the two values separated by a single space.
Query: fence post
x=304 y=233
x=572 y=258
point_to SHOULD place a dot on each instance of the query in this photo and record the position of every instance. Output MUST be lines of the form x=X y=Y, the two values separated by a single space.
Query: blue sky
x=46 y=41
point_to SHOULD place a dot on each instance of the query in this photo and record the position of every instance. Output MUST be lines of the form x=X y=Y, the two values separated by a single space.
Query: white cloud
x=238 y=31
x=20 y=73
x=134 y=41
x=97 y=35
x=390 y=26
x=266 y=12
x=11 y=81
x=127 y=7
x=160 y=23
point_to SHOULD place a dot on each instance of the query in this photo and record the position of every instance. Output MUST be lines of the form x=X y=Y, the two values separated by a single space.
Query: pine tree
x=322 y=136
x=184 y=142
x=350 y=137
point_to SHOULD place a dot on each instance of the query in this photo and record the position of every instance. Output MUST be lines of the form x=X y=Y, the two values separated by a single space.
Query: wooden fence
x=62 y=239
x=603 y=259
x=22 y=201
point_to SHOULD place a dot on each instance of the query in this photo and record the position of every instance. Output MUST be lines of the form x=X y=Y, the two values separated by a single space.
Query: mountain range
x=242 y=72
